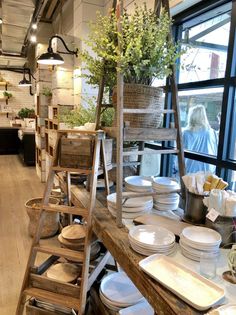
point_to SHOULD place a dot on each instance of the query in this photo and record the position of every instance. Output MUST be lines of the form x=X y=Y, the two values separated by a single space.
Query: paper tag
x=212 y=214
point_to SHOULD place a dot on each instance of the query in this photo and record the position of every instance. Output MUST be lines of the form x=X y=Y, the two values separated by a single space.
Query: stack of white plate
x=195 y=240
x=168 y=201
x=138 y=184
x=140 y=308
x=117 y=291
x=151 y=239
x=132 y=207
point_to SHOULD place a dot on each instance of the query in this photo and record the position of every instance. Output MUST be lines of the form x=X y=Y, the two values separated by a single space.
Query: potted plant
x=7 y=95
x=146 y=55
x=47 y=93
x=26 y=113
x=82 y=116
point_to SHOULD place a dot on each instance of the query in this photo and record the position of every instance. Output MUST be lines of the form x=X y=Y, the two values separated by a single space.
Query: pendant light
x=24 y=82
x=52 y=58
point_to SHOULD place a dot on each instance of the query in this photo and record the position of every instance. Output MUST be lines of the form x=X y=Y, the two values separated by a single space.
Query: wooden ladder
x=123 y=133
x=41 y=287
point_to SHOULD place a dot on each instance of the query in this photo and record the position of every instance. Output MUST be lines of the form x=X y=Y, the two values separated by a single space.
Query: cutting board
x=154 y=219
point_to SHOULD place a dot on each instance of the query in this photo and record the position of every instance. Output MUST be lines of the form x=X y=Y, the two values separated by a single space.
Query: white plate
x=202 y=235
x=107 y=303
x=152 y=235
x=127 y=215
x=147 y=252
x=134 y=209
x=151 y=247
x=194 y=289
x=229 y=309
x=138 y=181
x=188 y=255
x=132 y=202
x=118 y=288
x=196 y=252
x=203 y=247
x=164 y=182
x=140 y=308
x=165 y=207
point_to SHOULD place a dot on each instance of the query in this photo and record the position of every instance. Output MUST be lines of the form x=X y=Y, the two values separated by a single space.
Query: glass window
x=207 y=53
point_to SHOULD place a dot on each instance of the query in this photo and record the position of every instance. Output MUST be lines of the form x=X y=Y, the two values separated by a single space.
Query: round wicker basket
x=141 y=97
x=50 y=226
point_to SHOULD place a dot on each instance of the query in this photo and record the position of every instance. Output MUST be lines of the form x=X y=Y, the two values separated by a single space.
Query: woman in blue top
x=198 y=136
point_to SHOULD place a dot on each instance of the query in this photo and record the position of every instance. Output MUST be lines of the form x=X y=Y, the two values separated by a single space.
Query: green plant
x=7 y=94
x=26 y=113
x=146 y=52
x=47 y=91
x=81 y=115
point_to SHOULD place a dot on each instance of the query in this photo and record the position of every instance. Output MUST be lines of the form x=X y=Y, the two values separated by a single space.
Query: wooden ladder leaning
x=34 y=283
x=122 y=133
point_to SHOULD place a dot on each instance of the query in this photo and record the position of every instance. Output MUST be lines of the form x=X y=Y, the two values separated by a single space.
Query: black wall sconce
x=52 y=58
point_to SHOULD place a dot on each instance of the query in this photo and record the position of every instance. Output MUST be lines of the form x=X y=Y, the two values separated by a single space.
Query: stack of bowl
x=166 y=199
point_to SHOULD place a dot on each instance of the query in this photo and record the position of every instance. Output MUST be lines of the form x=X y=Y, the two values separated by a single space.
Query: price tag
x=212 y=214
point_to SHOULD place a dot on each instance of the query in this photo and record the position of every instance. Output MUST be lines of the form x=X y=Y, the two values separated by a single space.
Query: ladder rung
x=165 y=151
x=127 y=164
x=72 y=170
x=61 y=252
x=66 y=209
x=52 y=285
x=148 y=134
x=147 y=111
x=54 y=298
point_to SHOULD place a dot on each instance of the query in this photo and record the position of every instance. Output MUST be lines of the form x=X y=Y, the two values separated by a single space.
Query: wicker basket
x=141 y=97
x=51 y=221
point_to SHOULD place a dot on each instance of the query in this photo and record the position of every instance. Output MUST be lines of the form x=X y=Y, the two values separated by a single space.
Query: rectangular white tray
x=194 y=289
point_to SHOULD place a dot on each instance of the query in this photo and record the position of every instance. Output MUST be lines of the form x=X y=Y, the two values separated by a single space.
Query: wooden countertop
x=116 y=241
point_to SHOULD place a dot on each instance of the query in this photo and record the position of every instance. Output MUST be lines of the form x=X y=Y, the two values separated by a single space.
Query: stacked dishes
x=117 y=291
x=195 y=240
x=169 y=200
x=132 y=207
x=151 y=239
x=138 y=184
x=73 y=237
x=140 y=308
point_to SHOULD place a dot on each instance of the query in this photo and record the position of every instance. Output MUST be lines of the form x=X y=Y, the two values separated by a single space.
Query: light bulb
x=34 y=26
x=33 y=38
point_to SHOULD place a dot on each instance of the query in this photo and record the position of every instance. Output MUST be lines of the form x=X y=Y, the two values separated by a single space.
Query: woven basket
x=141 y=97
x=50 y=226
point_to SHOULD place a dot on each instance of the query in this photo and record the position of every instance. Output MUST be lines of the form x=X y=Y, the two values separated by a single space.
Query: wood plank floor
x=18 y=183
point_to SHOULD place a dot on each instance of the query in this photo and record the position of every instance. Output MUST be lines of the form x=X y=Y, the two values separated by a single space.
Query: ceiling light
x=51 y=58
x=24 y=82
x=33 y=38
x=34 y=26
x=0 y=20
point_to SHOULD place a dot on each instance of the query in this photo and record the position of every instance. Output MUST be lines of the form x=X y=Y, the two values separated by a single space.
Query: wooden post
x=119 y=124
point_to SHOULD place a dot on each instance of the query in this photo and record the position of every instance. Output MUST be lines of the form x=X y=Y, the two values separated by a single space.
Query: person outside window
x=198 y=136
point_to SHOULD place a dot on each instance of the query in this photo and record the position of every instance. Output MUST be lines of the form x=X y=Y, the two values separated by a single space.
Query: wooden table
x=116 y=241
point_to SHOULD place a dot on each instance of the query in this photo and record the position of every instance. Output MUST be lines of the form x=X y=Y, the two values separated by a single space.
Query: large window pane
x=206 y=57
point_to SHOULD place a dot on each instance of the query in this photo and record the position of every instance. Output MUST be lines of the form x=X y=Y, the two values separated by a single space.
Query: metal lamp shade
x=50 y=58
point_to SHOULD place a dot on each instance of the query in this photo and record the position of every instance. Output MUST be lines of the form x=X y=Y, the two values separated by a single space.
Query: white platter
x=201 y=236
x=152 y=235
x=194 y=289
x=118 y=288
x=140 y=308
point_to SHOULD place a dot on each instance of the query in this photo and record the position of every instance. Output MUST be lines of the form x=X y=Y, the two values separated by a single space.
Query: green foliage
x=47 y=91
x=26 y=113
x=146 y=52
x=7 y=94
x=81 y=115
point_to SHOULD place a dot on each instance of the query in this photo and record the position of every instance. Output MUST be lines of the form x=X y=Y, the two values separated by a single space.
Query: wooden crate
x=76 y=153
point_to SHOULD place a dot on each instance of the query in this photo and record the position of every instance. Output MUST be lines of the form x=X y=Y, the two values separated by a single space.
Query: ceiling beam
x=51 y=9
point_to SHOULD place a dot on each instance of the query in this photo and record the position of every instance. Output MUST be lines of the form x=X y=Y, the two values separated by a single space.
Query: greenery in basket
x=47 y=91
x=146 y=52
x=26 y=113
x=7 y=95
x=81 y=115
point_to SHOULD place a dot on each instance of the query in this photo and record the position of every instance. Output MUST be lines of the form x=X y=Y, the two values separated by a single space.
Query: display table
x=116 y=241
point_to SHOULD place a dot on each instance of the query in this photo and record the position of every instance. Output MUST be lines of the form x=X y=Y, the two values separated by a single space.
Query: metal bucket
x=195 y=210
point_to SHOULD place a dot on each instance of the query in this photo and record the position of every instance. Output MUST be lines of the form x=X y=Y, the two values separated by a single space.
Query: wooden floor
x=18 y=183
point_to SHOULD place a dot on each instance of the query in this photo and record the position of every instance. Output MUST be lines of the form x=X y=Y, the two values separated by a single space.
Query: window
x=208 y=78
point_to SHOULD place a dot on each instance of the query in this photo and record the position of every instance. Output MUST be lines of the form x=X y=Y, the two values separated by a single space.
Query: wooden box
x=77 y=153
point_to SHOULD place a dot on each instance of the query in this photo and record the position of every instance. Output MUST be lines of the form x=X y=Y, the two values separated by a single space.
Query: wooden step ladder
x=125 y=133
x=35 y=284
